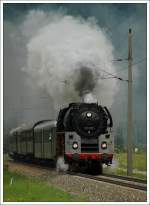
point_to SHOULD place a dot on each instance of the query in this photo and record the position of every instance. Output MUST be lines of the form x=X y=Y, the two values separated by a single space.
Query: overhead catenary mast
x=130 y=117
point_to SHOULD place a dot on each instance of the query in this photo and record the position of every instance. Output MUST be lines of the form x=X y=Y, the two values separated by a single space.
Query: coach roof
x=45 y=124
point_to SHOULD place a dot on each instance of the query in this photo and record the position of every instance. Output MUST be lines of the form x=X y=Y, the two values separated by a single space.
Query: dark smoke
x=86 y=81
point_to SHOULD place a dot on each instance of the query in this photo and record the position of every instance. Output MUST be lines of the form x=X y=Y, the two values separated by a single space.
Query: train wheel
x=96 y=168
x=100 y=168
x=74 y=167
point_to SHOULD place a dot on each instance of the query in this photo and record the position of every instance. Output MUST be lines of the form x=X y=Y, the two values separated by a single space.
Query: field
x=139 y=160
x=19 y=188
x=120 y=164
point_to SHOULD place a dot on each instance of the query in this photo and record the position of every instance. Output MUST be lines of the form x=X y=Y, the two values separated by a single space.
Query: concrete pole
x=130 y=119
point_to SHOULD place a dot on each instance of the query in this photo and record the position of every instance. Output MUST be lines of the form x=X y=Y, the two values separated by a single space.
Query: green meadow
x=19 y=188
x=120 y=167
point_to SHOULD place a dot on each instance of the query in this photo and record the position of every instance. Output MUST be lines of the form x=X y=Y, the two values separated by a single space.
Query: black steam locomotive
x=86 y=132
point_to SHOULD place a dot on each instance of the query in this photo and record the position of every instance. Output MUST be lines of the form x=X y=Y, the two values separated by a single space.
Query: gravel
x=98 y=191
x=92 y=190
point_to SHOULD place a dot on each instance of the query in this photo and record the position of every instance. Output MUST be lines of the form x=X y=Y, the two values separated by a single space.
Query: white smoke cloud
x=61 y=166
x=89 y=98
x=56 y=47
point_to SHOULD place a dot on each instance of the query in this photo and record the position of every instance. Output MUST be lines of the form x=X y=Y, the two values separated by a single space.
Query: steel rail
x=128 y=178
x=114 y=180
x=33 y=164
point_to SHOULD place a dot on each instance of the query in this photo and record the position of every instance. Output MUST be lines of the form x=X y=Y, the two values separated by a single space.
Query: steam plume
x=61 y=166
x=65 y=57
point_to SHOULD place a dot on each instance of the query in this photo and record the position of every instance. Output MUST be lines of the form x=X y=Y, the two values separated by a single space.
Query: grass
x=139 y=165
x=121 y=171
x=19 y=188
x=6 y=157
x=139 y=160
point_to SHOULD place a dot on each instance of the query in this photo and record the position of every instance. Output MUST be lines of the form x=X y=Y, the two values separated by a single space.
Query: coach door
x=60 y=144
x=49 y=143
x=38 y=150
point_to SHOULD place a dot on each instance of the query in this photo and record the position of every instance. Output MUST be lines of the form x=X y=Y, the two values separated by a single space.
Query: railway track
x=128 y=178
x=130 y=182
x=49 y=167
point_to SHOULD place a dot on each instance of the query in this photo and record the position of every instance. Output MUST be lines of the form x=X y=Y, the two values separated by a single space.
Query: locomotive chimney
x=84 y=93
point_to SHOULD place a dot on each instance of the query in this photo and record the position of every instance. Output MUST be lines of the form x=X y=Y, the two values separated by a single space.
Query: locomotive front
x=87 y=135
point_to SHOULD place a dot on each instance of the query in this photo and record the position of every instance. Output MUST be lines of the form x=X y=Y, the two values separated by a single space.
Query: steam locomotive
x=82 y=135
x=86 y=132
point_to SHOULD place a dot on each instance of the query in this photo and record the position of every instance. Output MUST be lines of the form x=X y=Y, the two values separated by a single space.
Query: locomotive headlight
x=89 y=114
x=75 y=145
x=104 y=145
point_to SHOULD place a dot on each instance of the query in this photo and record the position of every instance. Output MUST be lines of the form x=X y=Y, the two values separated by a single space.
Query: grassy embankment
x=120 y=167
x=19 y=188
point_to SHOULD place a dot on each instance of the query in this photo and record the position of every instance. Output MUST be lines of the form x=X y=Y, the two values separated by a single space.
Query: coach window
x=50 y=136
